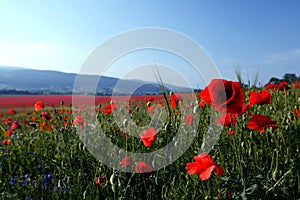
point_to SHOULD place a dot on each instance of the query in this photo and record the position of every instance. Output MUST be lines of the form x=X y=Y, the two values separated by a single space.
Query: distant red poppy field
x=27 y=101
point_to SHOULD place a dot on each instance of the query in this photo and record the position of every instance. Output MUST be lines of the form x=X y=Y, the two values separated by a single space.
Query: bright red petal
x=194 y=168
x=219 y=170
x=204 y=160
x=207 y=173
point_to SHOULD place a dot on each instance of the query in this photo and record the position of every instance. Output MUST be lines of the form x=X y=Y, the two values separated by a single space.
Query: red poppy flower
x=12 y=112
x=100 y=181
x=15 y=125
x=224 y=96
x=66 y=124
x=7 y=120
x=79 y=120
x=295 y=111
x=161 y=105
x=296 y=84
x=246 y=108
x=263 y=97
x=148 y=136
x=8 y=133
x=39 y=105
x=272 y=86
x=50 y=128
x=143 y=167
x=45 y=126
x=108 y=110
x=231 y=132
x=260 y=122
x=126 y=161
x=227 y=120
x=228 y=195
x=283 y=86
x=150 y=99
x=204 y=166
x=110 y=107
x=174 y=100
x=46 y=116
x=151 y=109
x=6 y=142
x=202 y=104
x=189 y=119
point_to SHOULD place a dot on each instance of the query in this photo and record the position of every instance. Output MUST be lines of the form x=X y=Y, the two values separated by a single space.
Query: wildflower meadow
x=45 y=150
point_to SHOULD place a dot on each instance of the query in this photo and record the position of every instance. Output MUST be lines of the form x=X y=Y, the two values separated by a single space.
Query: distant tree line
x=13 y=91
x=290 y=78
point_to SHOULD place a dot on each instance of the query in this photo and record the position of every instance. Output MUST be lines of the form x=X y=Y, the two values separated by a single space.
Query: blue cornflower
x=23 y=183
x=45 y=186
x=13 y=180
x=25 y=176
x=49 y=176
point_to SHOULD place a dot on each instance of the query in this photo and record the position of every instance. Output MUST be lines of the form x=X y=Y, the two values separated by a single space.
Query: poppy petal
x=207 y=173
x=219 y=170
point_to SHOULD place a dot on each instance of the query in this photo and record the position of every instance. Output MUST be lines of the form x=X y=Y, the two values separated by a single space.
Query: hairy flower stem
x=237 y=154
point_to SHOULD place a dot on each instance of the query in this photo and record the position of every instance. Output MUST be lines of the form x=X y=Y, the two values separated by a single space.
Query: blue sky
x=254 y=36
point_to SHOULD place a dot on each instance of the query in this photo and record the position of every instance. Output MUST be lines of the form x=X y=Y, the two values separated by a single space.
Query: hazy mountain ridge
x=22 y=80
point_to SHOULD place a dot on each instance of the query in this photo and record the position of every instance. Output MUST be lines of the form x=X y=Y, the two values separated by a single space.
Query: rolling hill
x=22 y=80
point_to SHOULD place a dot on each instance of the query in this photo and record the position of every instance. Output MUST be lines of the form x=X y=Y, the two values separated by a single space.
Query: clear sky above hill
x=254 y=36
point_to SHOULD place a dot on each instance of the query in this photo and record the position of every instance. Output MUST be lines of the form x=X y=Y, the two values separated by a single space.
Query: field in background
x=28 y=101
